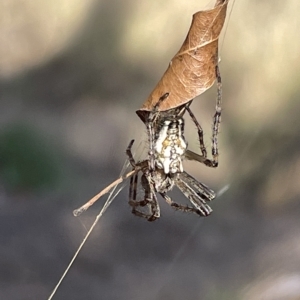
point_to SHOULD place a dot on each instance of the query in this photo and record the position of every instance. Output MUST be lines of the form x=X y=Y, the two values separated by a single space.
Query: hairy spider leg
x=201 y=189
x=150 y=198
x=129 y=154
x=180 y=207
x=196 y=200
x=215 y=128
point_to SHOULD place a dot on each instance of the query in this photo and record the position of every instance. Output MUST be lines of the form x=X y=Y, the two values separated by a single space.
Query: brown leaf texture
x=192 y=70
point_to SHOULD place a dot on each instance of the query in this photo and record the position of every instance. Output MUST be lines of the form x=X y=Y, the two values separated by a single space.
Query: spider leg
x=150 y=199
x=129 y=154
x=154 y=208
x=132 y=198
x=133 y=188
x=200 y=133
x=154 y=111
x=215 y=129
x=217 y=119
x=176 y=206
x=201 y=189
x=132 y=195
x=202 y=208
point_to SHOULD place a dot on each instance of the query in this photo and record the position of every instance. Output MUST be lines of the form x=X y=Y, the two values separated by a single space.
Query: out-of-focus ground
x=72 y=74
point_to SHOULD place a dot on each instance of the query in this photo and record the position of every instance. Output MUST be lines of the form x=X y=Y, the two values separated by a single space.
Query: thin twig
x=84 y=207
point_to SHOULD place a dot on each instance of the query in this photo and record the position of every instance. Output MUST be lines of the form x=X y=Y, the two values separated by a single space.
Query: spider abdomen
x=170 y=145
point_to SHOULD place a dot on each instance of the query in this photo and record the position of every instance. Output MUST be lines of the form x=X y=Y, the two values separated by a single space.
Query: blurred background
x=72 y=74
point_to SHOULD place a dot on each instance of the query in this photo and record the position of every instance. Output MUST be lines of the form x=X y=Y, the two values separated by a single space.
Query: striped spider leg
x=215 y=131
x=150 y=199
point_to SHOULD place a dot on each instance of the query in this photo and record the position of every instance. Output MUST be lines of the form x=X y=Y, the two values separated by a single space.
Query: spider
x=159 y=182
x=167 y=148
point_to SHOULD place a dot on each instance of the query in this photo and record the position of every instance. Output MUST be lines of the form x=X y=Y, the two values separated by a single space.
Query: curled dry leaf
x=192 y=70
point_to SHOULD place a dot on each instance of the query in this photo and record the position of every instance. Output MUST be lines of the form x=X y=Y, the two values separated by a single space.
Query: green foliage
x=27 y=162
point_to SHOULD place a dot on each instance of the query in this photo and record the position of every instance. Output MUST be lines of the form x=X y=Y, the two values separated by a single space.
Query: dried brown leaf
x=192 y=70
